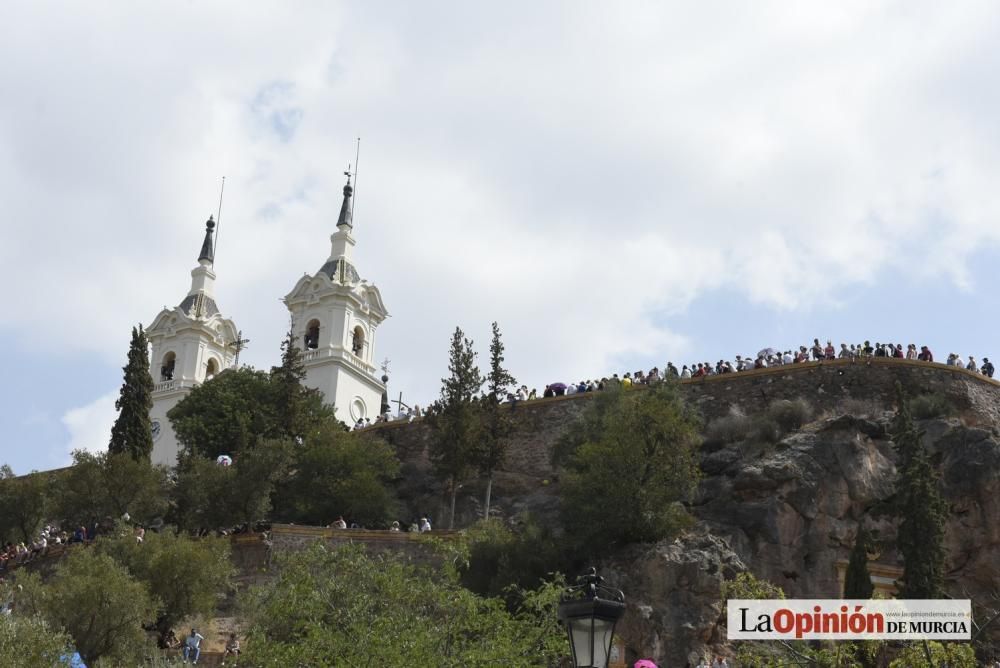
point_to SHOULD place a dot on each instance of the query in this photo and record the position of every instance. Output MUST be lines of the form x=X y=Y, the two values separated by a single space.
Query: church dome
x=333 y=269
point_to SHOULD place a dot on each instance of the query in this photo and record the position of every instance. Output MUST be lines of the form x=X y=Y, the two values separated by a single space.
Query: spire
x=207 y=247
x=346 y=218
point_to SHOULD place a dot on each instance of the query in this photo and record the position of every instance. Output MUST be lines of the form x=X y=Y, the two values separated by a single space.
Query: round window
x=358 y=409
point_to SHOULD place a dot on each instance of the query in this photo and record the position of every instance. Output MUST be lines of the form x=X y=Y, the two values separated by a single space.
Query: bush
x=766 y=430
x=504 y=559
x=729 y=429
x=789 y=415
x=927 y=406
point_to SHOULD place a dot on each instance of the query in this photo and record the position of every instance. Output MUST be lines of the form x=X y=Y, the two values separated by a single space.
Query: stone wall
x=527 y=480
x=413 y=546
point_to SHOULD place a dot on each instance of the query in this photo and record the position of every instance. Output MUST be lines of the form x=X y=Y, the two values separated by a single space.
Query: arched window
x=358 y=341
x=167 y=368
x=312 y=335
x=211 y=369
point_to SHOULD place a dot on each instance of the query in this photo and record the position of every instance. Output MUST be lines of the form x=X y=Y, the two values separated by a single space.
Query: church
x=335 y=315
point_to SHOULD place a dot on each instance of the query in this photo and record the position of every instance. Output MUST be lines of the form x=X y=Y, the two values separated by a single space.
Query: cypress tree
x=921 y=509
x=857 y=580
x=132 y=431
x=289 y=393
x=496 y=425
x=455 y=422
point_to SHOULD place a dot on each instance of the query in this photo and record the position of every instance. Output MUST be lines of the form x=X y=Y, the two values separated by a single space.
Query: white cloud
x=576 y=171
x=89 y=426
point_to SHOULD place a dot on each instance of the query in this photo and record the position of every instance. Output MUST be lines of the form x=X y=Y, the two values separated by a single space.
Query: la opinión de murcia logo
x=835 y=619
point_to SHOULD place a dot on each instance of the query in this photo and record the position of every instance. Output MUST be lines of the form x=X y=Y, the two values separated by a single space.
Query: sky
x=616 y=184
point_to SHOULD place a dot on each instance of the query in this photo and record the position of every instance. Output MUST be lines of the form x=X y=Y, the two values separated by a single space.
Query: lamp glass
x=591 y=638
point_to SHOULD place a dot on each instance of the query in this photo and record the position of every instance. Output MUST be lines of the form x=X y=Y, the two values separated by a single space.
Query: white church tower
x=191 y=343
x=335 y=314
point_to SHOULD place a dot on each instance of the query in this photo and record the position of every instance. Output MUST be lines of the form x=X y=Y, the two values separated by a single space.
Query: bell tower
x=190 y=344
x=335 y=315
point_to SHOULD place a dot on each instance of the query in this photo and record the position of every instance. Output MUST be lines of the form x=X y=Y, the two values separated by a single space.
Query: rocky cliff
x=787 y=510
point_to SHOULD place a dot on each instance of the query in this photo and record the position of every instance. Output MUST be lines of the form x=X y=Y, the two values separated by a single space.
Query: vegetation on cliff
x=920 y=508
x=630 y=464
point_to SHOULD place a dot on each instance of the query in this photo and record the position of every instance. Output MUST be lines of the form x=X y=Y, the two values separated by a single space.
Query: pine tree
x=921 y=509
x=456 y=423
x=857 y=580
x=496 y=424
x=132 y=431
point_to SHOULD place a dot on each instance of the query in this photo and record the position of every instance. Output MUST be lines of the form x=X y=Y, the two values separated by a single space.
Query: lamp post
x=590 y=611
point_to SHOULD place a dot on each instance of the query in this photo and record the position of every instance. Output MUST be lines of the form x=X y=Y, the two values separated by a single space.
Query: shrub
x=729 y=429
x=767 y=430
x=927 y=406
x=789 y=415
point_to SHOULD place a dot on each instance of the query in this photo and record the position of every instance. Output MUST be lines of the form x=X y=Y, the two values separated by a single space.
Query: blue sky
x=617 y=186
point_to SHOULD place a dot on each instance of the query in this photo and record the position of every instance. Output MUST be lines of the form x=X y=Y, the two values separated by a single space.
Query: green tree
x=344 y=607
x=210 y=496
x=627 y=480
x=132 y=431
x=504 y=561
x=28 y=641
x=950 y=654
x=104 y=485
x=455 y=424
x=299 y=410
x=185 y=575
x=94 y=600
x=920 y=508
x=496 y=423
x=857 y=580
x=227 y=414
x=24 y=503
x=340 y=473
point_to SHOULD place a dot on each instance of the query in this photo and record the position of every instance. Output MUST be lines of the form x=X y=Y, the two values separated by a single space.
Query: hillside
x=785 y=506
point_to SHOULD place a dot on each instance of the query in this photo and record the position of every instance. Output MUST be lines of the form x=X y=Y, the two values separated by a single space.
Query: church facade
x=335 y=315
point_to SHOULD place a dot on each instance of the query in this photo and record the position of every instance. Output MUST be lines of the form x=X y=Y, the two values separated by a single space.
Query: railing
x=311 y=354
x=166 y=386
x=347 y=357
x=173 y=385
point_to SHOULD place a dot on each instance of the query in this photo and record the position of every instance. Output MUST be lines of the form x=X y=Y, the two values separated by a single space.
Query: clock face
x=156 y=429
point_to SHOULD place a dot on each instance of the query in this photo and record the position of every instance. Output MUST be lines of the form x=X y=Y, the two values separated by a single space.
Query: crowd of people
x=49 y=537
x=766 y=358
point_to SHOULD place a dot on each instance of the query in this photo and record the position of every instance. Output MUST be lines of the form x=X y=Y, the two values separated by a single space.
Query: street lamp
x=590 y=610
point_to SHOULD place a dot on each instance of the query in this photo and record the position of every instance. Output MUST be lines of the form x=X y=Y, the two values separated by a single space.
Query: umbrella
x=224 y=460
x=645 y=663
x=73 y=660
x=557 y=386
x=767 y=352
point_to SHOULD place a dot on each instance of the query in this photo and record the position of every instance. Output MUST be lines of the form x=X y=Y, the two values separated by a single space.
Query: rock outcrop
x=675 y=596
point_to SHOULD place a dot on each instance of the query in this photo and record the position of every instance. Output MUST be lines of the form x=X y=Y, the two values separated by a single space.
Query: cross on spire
x=239 y=344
